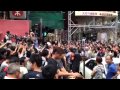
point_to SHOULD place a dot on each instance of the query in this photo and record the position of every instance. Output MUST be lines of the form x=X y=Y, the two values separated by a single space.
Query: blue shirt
x=33 y=75
x=68 y=57
x=36 y=43
x=112 y=70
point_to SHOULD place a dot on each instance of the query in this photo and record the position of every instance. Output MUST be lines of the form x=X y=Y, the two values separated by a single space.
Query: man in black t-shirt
x=61 y=71
x=36 y=72
x=56 y=57
x=49 y=72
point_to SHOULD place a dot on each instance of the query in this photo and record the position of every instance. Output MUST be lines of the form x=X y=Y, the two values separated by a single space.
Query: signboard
x=18 y=14
x=96 y=13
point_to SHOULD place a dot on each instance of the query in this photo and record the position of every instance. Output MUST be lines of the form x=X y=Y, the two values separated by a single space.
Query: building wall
x=16 y=27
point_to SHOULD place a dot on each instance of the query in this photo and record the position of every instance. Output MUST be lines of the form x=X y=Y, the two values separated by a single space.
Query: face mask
x=28 y=65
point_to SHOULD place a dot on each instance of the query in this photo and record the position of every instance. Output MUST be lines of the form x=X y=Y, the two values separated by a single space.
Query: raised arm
x=2 y=45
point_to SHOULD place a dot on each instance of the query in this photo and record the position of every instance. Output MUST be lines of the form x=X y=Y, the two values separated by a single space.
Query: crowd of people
x=26 y=58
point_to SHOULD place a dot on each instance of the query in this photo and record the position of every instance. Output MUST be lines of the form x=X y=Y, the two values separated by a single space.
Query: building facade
x=101 y=23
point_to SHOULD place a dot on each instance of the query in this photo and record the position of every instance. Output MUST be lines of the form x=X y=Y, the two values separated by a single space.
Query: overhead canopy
x=52 y=19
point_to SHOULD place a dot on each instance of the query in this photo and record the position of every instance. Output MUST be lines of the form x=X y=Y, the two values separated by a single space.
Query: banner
x=96 y=13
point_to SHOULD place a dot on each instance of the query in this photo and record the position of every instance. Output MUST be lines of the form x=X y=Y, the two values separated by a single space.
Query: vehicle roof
x=115 y=60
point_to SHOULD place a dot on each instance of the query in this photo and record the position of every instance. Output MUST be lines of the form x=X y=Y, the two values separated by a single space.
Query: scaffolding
x=72 y=27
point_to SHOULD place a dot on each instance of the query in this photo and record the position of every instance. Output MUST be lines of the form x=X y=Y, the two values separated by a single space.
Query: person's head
x=36 y=61
x=58 y=52
x=26 y=34
x=14 y=70
x=49 y=72
x=12 y=48
x=71 y=49
x=109 y=59
x=98 y=60
x=3 y=53
x=22 y=61
x=45 y=53
x=8 y=32
x=14 y=60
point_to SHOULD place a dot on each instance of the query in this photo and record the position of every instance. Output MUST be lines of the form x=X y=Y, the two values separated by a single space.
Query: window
x=91 y=64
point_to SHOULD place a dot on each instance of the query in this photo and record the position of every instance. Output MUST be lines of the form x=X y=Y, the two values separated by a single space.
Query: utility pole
x=116 y=28
x=4 y=15
x=83 y=43
x=40 y=27
x=69 y=26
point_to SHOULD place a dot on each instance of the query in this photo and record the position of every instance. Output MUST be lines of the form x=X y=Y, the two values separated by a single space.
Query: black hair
x=71 y=50
x=29 y=41
x=22 y=60
x=36 y=58
x=8 y=32
x=49 y=72
x=12 y=48
x=58 y=50
x=45 y=53
x=2 y=53
x=14 y=59
x=99 y=59
x=53 y=42
x=115 y=54
x=98 y=48
x=2 y=50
